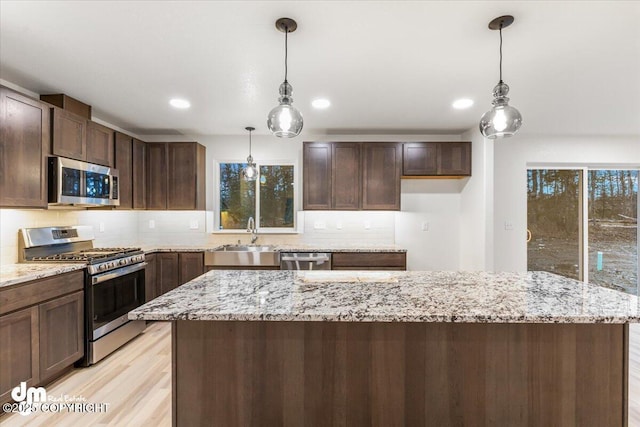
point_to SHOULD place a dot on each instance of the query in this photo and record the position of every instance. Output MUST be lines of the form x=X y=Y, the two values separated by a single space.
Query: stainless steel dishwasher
x=305 y=261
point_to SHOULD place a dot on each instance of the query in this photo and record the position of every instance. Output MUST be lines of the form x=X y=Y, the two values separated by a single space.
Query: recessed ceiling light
x=180 y=103
x=463 y=103
x=321 y=103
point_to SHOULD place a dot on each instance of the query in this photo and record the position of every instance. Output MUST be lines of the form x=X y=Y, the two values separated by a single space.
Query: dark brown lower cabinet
x=150 y=288
x=18 y=350
x=167 y=270
x=41 y=330
x=369 y=261
x=167 y=273
x=191 y=265
x=61 y=333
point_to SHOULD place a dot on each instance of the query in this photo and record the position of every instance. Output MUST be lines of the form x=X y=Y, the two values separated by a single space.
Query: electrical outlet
x=152 y=223
x=367 y=225
x=319 y=225
x=425 y=226
x=193 y=224
x=101 y=227
x=339 y=225
x=508 y=225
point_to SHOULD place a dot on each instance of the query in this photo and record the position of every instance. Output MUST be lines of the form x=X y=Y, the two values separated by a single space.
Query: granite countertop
x=411 y=296
x=149 y=249
x=13 y=274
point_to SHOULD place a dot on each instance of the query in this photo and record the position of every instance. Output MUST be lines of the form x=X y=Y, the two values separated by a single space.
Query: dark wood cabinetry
x=381 y=168
x=150 y=278
x=451 y=159
x=168 y=270
x=19 y=351
x=130 y=160
x=346 y=176
x=124 y=165
x=191 y=265
x=369 y=261
x=69 y=136
x=317 y=167
x=99 y=144
x=139 y=185
x=175 y=176
x=61 y=334
x=351 y=175
x=41 y=330
x=24 y=144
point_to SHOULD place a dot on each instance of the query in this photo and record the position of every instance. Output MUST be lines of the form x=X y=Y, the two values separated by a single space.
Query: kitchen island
x=396 y=348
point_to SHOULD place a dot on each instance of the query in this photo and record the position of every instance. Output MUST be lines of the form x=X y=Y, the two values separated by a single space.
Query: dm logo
x=26 y=397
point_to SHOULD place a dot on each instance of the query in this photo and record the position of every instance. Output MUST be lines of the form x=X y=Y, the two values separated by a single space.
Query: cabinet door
x=167 y=271
x=156 y=175
x=69 y=137
x=420 y=158
x=139 y=181
x=99 y=144
x=19 y=350
x=454 y=158
x=181 y=170
x=124 y=164
x=61 y=334
x=345 y=180
x=24 y=144
x=381 y=166
x=316 y=159
x=191 y=265
x=150 y=281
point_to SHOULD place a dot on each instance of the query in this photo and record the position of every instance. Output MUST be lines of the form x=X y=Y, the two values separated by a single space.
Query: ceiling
x=388 y=67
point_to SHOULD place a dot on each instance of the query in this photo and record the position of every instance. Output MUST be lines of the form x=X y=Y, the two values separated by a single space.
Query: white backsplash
x=349 y=227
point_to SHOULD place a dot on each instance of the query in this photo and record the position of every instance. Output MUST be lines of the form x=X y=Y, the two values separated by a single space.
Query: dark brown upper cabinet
x=175 y=176
x=346 y=176
x=351 y=175
x=24 y=144
x=69 y=136
x=381 y=168
x=99 y=144
x=124 y=165
x=139 y=185
x=317 y=167
x=425 y=159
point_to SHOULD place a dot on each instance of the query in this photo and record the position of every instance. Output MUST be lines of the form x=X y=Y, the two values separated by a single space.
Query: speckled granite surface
x=287 y=248
x=412 y=296
x=13 y=274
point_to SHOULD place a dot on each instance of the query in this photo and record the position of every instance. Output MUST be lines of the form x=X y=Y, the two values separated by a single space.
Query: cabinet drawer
x=40 y=290
x=369 y=260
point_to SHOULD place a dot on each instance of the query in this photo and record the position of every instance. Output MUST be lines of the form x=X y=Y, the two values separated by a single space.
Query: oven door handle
x=99 y=278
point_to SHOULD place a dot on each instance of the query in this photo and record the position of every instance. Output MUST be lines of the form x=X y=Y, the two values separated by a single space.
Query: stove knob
x=101 y=267
x=122 y=262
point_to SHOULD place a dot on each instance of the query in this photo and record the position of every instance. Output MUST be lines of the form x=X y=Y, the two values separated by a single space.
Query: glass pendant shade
x=502 y=120
x=285 y=121
x=250 y=172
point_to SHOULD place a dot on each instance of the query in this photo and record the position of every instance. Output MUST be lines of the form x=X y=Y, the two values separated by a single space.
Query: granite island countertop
x=374 y=296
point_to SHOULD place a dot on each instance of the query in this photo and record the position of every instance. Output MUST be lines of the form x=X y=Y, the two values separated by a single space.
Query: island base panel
x=396 y=374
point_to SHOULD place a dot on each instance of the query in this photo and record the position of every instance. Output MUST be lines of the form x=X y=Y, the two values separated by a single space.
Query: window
x=583 y=223
x=272 y=195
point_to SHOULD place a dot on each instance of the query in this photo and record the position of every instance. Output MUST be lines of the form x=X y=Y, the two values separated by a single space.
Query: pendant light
x=502 y=120
x=285 y=121
x=250 y=172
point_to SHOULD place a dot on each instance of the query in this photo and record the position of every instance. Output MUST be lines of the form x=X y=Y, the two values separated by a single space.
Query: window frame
x=262 y=230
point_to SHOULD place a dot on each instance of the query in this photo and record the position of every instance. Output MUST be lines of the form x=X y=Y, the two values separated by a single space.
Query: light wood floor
x=135 y=381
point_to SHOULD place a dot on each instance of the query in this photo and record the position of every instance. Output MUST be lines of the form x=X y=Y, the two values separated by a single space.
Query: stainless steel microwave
x=72 y=182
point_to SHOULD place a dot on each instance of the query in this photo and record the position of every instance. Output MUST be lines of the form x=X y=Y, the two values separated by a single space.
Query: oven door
x=112 y=295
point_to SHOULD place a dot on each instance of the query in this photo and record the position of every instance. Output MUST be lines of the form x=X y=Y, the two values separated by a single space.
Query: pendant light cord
x=249 y=143
x=501 y=52
x=286 y=33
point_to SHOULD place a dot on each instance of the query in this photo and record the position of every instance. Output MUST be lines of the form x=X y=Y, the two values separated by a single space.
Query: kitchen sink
x=243 y=255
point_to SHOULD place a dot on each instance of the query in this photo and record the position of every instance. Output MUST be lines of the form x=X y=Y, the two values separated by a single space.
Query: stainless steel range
x=114 y=282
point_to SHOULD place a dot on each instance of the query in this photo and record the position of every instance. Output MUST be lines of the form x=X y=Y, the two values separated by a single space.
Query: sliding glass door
x=583 y=223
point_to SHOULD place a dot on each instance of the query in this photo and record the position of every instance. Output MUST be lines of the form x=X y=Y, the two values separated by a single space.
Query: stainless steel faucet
x=251 y=228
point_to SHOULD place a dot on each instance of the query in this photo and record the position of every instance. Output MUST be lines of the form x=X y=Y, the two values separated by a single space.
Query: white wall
x=511 y=158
